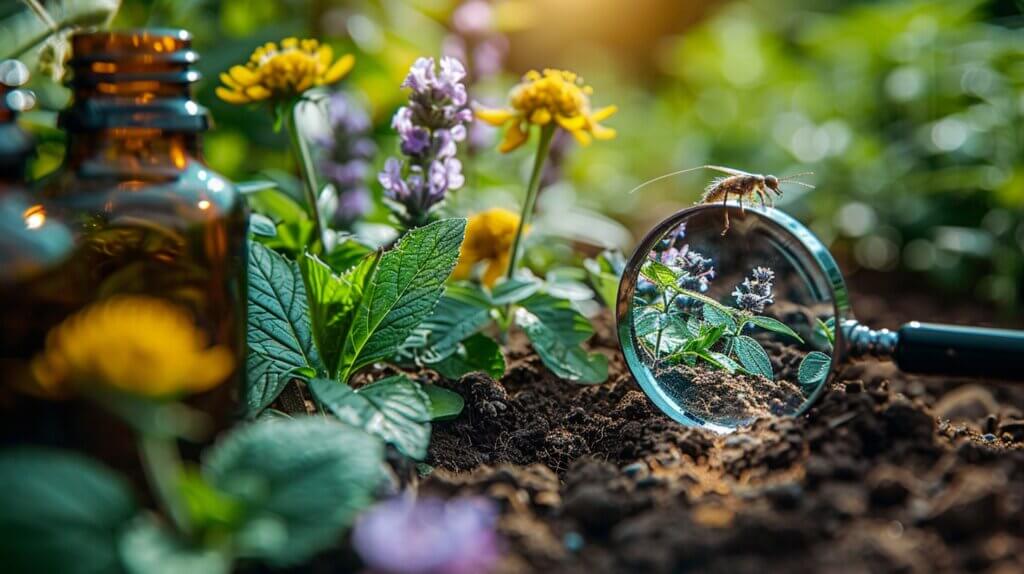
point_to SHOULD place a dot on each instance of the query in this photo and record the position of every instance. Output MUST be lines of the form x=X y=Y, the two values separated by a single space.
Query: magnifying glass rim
x=787 y=225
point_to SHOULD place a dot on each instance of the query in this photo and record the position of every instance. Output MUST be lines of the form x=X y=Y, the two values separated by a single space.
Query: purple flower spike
x=429 y=129
x=755 y=293
x=428 y=536
x=346 y=156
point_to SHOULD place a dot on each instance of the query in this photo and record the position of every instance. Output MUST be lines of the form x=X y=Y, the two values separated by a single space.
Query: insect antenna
x=796 y=175
x=797 y=182
x=727 y=170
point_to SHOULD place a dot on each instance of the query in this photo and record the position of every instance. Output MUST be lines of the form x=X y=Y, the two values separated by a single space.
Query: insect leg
x=725 y=206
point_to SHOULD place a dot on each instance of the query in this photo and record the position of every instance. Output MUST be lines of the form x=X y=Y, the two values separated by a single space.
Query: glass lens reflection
x=731 y=328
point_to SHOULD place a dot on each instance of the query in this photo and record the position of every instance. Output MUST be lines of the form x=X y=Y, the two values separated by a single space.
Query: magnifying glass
x=723 y=329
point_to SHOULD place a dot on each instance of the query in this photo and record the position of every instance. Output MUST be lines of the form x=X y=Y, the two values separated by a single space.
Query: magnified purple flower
x=698 y=270
x=428 y=536
x=755 y=293
x=428 y=128
x=346 y=151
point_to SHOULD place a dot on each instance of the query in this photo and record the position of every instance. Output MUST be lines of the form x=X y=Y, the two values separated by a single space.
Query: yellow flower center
x=283 y=72
x=551 y=94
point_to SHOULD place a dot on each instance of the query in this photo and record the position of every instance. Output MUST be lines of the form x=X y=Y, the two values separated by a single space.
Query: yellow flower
x=554 y=96
x=138 y=345
x=285 y=72
x=489 y=237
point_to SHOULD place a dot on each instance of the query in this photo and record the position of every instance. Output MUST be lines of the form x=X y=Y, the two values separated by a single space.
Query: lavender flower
x=755 y=293
x=428 y=536
x=347 y=149
x=429 y=129
x=698 y=270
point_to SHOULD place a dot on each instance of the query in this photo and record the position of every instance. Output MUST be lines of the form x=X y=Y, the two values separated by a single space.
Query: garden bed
x=887 y=473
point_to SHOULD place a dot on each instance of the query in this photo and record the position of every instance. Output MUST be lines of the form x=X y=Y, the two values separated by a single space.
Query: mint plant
x=678 y=323
x=309 y=323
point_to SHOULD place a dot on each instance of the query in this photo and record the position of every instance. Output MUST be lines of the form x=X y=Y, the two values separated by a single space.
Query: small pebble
x=573 y=541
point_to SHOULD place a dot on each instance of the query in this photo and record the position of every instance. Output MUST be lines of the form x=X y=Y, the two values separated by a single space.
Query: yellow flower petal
x=603 y=113
x=582 y=137
x=230 y=96
x=326 y=55
x=571 y=124
x=243 y=75
x=495 y=269
x=602 y=133
x=257 y=93
x=515 y=136
x=540 y=117
x=338 y=70
x=226 y=79
x=495 y=117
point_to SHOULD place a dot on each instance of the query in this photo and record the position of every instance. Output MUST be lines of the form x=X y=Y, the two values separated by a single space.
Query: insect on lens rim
x=786 y=226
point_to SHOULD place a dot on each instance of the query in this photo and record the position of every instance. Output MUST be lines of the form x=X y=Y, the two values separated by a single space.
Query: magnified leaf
x=715 y=317
x=753 y=358
x=659 y=274
x=394 y=409
x=775 y=326
x=814 y=368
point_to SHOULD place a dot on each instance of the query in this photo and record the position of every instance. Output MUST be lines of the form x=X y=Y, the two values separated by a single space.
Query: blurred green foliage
x=909 y=113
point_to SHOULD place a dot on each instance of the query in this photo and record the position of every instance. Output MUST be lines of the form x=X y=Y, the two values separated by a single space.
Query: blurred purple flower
x=755 y=293
x=428 y=128
x=428 y=536
x=346 y=151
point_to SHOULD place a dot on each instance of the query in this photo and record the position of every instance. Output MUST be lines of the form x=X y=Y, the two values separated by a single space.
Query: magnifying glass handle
x=929 y=348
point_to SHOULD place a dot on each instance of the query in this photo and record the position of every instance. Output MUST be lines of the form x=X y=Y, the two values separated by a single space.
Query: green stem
x=162 y=463
x=546 y=134
x=310 y=185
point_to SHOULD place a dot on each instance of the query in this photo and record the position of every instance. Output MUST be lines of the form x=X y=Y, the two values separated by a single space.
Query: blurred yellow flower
x=285 y=72
x=489 y=237
x=552 y=96
x=138 y=345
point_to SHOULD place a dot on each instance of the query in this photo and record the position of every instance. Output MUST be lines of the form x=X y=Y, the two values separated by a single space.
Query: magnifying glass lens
x=723 y=329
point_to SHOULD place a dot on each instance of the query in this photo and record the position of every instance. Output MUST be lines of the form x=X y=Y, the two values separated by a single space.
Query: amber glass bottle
x=148 y=216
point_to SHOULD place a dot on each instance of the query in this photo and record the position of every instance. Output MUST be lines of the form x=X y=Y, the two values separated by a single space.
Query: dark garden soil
x=888 y=473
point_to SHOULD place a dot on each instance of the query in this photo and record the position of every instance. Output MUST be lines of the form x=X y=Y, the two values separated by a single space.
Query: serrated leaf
x=402 y=291
x=514 y=290
x=333 y=300
x=280 y=336
x=556 y=331
x=478 y=353
x=61 y=512
x=463 y=310
x=444 y=404
x=725 y=361
x=774 y=325
x=394 y=409
x=715 y=317
x=302 y=482
x=646 y=320
x=659 y=274
x=346 y=254
x=149 y=548
x=752 y=356
x=693 y=326
x=814 y=369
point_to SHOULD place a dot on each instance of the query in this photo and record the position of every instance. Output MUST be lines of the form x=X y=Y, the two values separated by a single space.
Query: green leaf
x=814 y=369
x=556 y=330
x=514 y=290
x=346 y=254
x=394 y=409
x=61 y=513
x=478 y=353
x=715 y=317
x=774 y=325
x=659 y=274
x=828 y=328
x=724 y=361
x=262 y=225
x=302 y=482
x=444 y=404
x=22 y=30
x=604 y=274
x=693 y=326
x=280 y=337
x=333 y=300
x=646 y=321
x=255 y=186
x=402 y=291
x=463 y=310
x=149 y=548
x=753 y=358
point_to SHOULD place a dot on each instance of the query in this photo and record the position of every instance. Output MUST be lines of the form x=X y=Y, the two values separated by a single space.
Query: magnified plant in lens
x=679 y=323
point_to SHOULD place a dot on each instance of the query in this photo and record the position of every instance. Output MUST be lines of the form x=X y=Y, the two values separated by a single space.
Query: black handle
x=928 y=348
